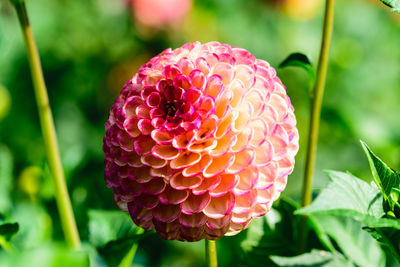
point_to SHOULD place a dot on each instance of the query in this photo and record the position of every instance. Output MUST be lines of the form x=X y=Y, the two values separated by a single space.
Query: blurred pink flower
x=200 y=142
x=159 y=13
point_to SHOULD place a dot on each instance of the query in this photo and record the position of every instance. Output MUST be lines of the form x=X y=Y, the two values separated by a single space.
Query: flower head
x=200 y=142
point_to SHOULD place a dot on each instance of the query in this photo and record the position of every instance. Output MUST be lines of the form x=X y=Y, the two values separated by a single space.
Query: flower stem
x=211 y=253
x=316 y=104
x=48 y=130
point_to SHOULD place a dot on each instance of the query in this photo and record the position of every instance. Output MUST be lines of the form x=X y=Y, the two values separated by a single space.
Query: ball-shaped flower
x=200 y=142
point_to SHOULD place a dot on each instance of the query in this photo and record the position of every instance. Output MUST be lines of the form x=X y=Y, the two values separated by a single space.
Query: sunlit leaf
x=385 y=177
x=394 y=198
x=394 y=4
x=348 y=196
x=315 y=258
x=355 y=244
x=346 y=193
x=395 y=194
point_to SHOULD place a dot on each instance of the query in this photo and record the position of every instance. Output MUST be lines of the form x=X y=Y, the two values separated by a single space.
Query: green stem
x=48 y=130
x=211 y=253
x=316 y=104
x=127 y=260
x=317 y=96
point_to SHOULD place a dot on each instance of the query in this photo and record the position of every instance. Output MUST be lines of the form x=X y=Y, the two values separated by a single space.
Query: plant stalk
x=315 y=112
x=316 y=104
x=211 y=253
x=48 y=130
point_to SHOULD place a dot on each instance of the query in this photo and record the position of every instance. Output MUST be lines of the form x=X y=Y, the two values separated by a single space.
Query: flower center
x=170 y=109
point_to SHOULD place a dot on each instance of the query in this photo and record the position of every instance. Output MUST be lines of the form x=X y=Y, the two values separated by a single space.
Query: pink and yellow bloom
x=200 y=141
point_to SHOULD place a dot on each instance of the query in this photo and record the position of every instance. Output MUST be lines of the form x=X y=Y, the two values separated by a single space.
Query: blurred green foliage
x=90 y=48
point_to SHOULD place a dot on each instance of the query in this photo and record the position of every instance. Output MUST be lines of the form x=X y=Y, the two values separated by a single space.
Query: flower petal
x=195 y=203
x=218 y=165
x=166 y=213
x=220 y=206
x=173 y=196
x=166 y=152
x=185 y=159
x=228 y=182
x=180 y=182
x=194 y=220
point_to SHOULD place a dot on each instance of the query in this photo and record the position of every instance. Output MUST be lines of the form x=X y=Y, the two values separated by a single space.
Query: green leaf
x=35 y=225
x=94 y=257
x=17 y=2
x=395 y=200
x=395 y=195
x=263 y=239
x=346 y=193
x=115 y=251
x=389 y=239
x=349 y=196
x=105 y=225
x=315 y=258
x=355 y=244
x=277 y=233
x=394 y=4
x=49 y=255
x=8 y=230
x=113 y=234
x=299 y=60
x=256 y=231
x=385 y=177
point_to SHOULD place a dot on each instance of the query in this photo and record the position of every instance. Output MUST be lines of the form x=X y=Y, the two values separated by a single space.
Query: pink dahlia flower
x=158 y=13
x=200 y=142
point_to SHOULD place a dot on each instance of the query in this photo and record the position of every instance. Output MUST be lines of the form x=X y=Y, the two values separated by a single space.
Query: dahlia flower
x=200 y=141
x=159 y=13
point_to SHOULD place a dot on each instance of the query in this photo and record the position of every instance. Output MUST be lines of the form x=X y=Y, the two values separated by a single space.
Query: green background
x=90 y=48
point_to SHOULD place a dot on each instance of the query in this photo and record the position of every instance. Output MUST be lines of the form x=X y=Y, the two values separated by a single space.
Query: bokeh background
x=89 y=49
